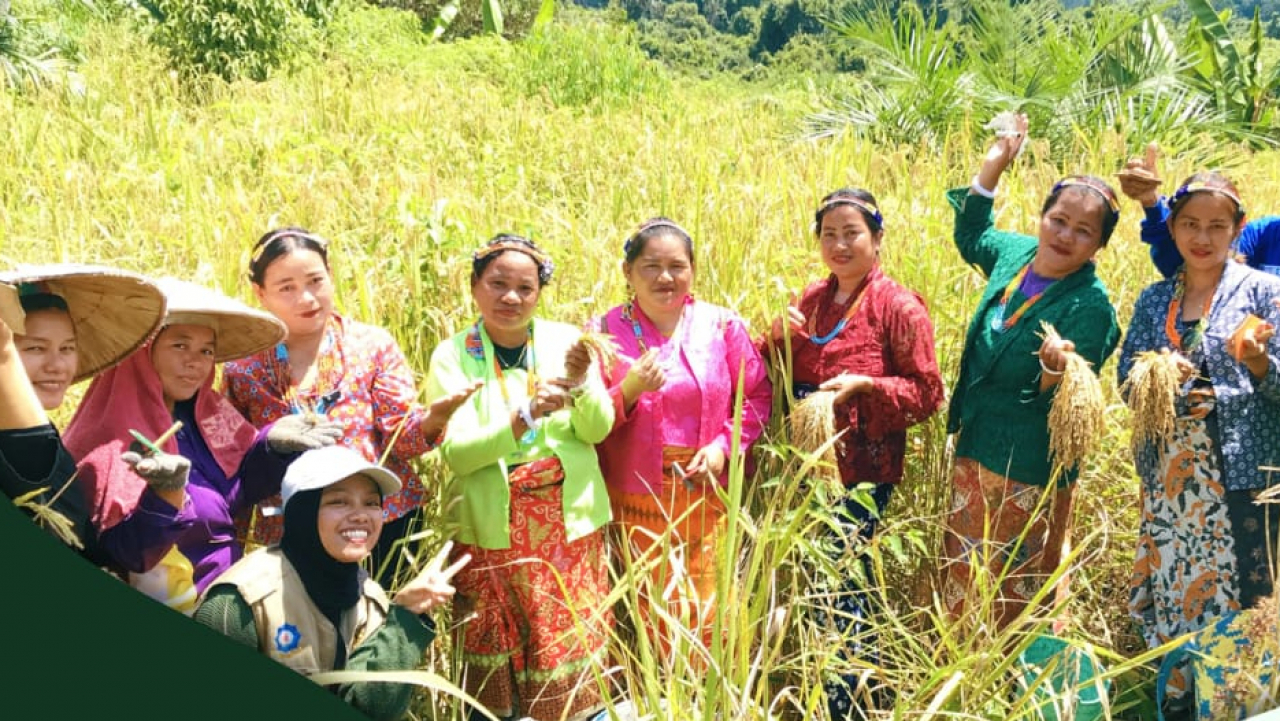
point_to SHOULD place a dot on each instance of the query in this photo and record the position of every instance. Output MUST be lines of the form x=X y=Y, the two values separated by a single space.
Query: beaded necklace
x=859 y=293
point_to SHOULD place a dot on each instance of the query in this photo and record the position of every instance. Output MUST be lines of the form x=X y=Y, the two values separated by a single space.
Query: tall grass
x=408 y=155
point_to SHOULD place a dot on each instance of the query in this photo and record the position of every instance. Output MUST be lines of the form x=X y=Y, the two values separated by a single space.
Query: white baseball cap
x=323 y=467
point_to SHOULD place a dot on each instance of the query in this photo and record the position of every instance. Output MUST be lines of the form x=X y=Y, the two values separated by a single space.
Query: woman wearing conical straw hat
x=164 y=506
x=868 y=341
x=60 y=324
x=1205 y=548
x=1009 y=374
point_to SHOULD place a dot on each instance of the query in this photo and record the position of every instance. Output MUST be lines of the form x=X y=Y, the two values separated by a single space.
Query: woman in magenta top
x=679 y=365
x=861 y=335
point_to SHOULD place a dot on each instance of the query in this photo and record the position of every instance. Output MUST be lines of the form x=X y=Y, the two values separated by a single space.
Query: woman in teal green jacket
x=530 y=501
x=1009 y=372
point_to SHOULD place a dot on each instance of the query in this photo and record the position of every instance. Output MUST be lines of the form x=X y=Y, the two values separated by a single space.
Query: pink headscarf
x=130 y=396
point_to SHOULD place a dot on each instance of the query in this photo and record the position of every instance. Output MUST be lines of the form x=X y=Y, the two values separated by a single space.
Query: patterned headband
x=650 y=225
x=1200 y=186
x=266 y=242
x=833 y=201
x=1086 y=182
x=520 y=245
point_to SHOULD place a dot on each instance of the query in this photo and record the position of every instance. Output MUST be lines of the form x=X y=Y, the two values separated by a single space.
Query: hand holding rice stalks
x=1152 y=390
x=602 y=347
x=1076 y=414
x=813 y=430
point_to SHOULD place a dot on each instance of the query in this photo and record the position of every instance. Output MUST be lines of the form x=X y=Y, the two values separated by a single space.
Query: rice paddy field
x=408 y=155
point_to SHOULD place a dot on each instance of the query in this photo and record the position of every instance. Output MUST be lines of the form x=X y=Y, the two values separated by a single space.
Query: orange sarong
x=684 y=576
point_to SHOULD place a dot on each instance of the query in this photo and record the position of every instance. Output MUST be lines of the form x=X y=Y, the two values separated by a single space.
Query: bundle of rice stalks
x=813 y=430
x=1152 y=390
x=602 y=347
x=47 y=517
x=1076 y=414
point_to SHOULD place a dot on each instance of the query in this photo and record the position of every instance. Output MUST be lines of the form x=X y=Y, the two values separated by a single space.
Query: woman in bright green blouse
x=1009 y=373
x=530 y=501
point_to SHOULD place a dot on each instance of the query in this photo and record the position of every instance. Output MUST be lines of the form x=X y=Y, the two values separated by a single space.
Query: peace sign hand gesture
x=433 y=586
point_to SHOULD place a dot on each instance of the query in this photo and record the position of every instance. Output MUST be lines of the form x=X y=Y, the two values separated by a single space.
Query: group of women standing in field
x=553 y=432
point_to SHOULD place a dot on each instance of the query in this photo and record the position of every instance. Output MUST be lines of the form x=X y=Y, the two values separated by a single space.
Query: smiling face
x=1203 y=229
x=297 y=289
x=661 y=275
x=507 y=295
x=1070 y=233
x=183 y=358
x=350 y=518
x=48 y=352
x=849 y=246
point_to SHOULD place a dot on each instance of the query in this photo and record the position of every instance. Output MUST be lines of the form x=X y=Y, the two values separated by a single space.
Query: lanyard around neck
x=1000 y=323
x=1196 y=332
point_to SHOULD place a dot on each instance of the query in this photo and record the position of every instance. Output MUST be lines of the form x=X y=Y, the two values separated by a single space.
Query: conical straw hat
x=114 y=311
x=241 y=330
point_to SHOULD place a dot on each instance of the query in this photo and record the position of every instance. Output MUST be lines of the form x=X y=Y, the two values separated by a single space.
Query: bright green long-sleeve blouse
x=479 y=446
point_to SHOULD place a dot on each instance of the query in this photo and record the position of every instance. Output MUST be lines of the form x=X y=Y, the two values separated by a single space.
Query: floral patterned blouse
x=364 y=382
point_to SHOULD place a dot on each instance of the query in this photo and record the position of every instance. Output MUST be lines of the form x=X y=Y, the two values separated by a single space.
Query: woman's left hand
x=1053 y=360
x=1253 y=348
x=434 y=586
x=846 y=385
x=707 y=464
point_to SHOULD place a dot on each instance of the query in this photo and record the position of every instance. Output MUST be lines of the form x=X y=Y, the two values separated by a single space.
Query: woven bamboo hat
x=241 y=330
x=114 y=311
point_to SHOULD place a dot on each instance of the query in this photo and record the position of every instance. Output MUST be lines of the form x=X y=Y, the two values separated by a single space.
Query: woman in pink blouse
x=679 y=364
x=868 y=339
x=351 y=372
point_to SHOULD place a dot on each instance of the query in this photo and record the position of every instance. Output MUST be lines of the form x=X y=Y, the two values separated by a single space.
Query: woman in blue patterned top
x=1203 y=543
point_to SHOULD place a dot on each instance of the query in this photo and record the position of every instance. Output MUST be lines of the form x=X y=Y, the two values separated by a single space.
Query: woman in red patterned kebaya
x=869 y=340
x=350 y=372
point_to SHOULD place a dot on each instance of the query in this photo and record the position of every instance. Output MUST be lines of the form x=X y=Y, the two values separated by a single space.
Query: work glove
x=161 y=471
x=302 y=432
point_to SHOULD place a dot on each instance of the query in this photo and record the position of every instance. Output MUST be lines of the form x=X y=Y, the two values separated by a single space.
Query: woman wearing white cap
x=168 y=519
x=309 y=605
x=54 y=333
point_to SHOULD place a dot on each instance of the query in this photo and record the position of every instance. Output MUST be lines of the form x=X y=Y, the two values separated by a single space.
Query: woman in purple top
x=167 y=518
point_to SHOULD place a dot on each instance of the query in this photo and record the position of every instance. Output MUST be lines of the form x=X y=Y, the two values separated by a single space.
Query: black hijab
x=333 y=586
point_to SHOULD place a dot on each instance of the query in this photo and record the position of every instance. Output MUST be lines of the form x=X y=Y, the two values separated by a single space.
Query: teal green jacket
x=478 y=444
x=997 y=408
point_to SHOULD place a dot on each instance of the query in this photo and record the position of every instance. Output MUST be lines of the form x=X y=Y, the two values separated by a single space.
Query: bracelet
x=977 y=188
x=1048 y=372
x=526 y=415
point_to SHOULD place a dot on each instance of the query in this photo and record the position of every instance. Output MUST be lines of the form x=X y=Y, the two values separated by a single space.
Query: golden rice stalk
x=1152 y=388
x=813 y=430
x=1077 y=413
x=601 y=344
x=47 y=517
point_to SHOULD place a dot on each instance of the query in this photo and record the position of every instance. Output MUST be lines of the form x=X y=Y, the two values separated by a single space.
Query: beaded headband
x=855 y=202
x=1200 y=186
x=650 y=225
x=1081 y=181
x=520 y=245
x=266 y=242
